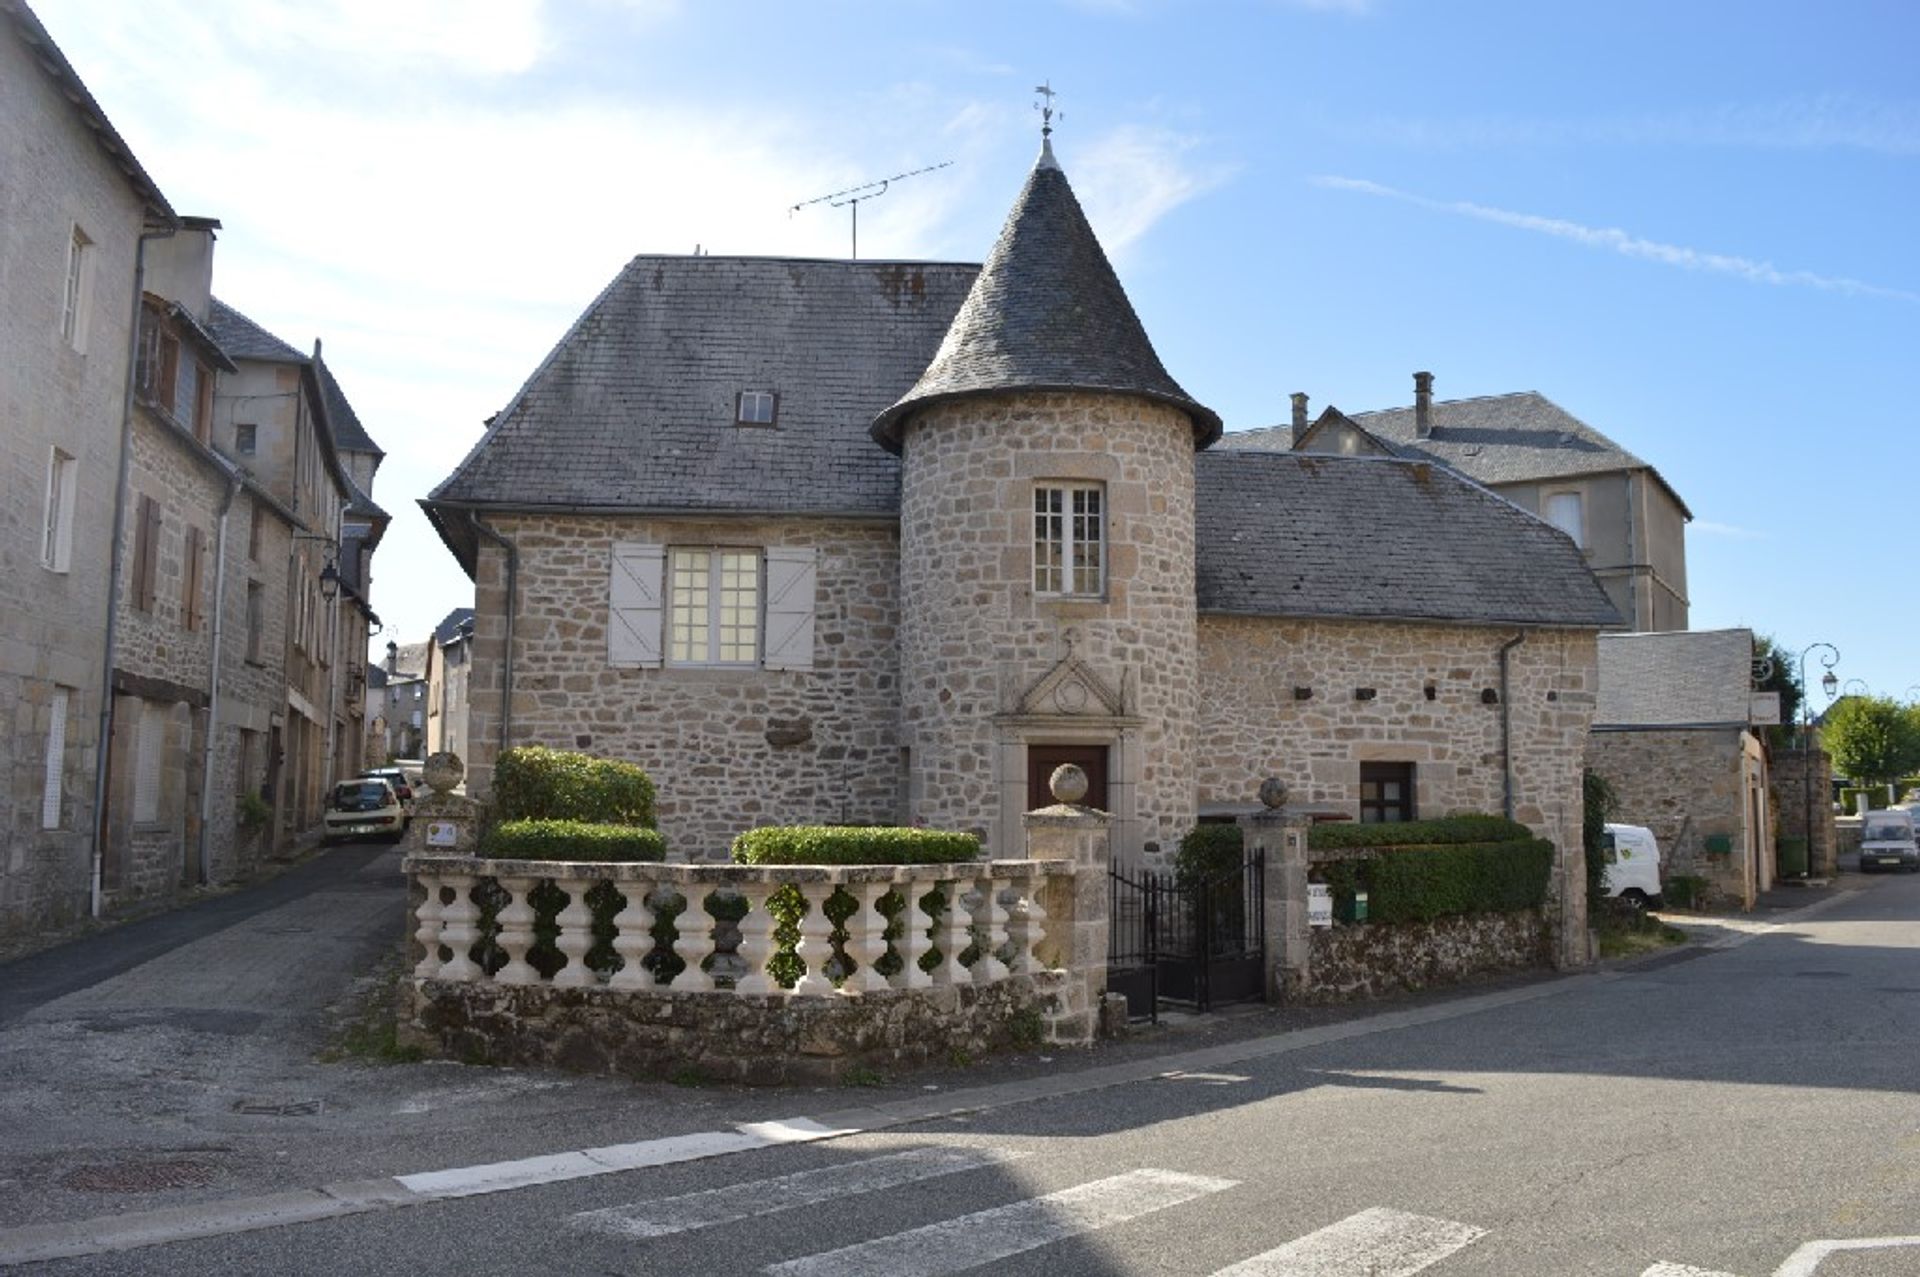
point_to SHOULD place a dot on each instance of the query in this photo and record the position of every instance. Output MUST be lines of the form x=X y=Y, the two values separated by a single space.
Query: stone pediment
x=1073 y=690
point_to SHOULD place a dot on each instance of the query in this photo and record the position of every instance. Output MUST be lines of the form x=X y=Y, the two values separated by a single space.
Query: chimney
x=393 y=657
x=1423 y=405
x=1299 y=413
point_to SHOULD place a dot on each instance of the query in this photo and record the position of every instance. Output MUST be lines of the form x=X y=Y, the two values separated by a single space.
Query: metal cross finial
x=1046 y=110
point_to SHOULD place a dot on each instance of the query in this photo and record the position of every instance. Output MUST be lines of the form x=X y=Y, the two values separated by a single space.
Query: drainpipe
x=116 y=564
x=506 y=664
x=327 y=774
x=213 y=679
x=1506 y=729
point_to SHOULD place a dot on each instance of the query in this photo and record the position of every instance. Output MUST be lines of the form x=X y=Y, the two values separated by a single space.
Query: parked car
x=365 y=807
x=402 y=784
x=1633 y=864
x=1887 y=841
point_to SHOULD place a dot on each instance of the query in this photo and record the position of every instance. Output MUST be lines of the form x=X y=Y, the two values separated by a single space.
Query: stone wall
x=1791 y=772
x=975 y=638
x=1355 y=963
x=1687 y=787
x=723 y=1037
x=727 y=749
x=1382 y=691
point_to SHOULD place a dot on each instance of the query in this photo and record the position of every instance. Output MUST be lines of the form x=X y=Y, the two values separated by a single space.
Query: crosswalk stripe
x=785 y=1192
x=969 y=1241
x=1377 y=1242
x=1665 y=1269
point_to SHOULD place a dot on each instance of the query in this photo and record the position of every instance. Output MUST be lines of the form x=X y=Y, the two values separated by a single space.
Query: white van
x=1887 y=841
x=1633 y=864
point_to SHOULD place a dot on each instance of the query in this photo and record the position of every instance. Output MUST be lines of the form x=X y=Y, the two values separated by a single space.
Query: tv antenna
x=851 y=197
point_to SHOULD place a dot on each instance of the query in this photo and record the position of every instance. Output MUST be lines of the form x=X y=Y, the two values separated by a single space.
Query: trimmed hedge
x=853 y=845
x=1421 y=884
x=1448 y=830
x=571 y=840
x=535 y=783
x=1209 y=851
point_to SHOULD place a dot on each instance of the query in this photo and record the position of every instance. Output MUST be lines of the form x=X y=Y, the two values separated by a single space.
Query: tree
x=1873 y=739
x=1780 y=676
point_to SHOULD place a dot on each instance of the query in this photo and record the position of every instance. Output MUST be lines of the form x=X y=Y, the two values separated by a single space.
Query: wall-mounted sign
x=1319 y=905
x=1763 y=709
x=443 y=833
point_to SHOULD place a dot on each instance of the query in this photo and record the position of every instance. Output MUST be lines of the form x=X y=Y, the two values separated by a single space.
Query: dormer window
x=755 y=408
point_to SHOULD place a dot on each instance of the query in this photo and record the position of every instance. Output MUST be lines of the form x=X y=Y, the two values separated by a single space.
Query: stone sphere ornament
x=1068 y=783
x=1273 y=793
x=442 y=771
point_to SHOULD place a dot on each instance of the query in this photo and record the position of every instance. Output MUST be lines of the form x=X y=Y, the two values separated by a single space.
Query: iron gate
x=1195 y=941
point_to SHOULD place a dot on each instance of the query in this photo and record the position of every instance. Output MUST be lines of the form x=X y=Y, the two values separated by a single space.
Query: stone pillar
x=444 y=823
x=1282 y=835
x=1082 y=835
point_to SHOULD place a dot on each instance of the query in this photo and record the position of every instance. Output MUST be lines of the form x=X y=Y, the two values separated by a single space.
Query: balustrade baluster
x=866 y=939
x=457 y=919
x=956 y=934
x=516 y=932
x=576 y=936
x=1028 y=929
x=633 y=938
x=756 y=940
x=990 y=918
x=428 y=915
x=914 y=940
x=695 y=926
x=816 y=942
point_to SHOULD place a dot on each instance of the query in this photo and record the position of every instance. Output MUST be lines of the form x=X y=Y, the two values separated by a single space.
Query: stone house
x=449 y=666
x=404 y=687
x=884 y=541
x=1673 y=735
x=1625 y=517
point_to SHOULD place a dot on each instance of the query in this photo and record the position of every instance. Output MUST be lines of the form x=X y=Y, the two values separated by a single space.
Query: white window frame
x=1056 y=526
x=1580 y=498
x=73 y=307
x=56 y=540
x=56 y=758
x=758 y=399
x=709 y=628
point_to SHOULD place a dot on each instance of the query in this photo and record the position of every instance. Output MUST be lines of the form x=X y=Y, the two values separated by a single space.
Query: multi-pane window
x=56 y=542
x=1069 y=539
x=246 y=438
x=73 y=303
x=714 y=611
x=1386 y=792
x=755 y=408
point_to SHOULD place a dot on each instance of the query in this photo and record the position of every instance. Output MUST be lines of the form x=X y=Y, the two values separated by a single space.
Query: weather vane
x=1046 y=110
x=851 y=197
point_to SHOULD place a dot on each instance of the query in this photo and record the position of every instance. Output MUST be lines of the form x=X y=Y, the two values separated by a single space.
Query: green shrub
x=534 y=783
x=1419 y=884
x=1208 y=852
x=1684 y=891
x=1597 y=803
x=1417 y=833
x=853 y=845
x=571 y=840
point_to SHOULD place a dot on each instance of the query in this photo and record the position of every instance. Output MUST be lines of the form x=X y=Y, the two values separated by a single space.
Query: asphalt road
x=1712 y=1112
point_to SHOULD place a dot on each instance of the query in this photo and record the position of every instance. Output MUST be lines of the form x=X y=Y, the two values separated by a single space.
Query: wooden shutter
x=190 y=580
x=634 y=604
x=792 y=577
x=146 y=552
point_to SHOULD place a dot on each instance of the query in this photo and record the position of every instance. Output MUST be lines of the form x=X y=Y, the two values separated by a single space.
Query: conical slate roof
x=1046 y=313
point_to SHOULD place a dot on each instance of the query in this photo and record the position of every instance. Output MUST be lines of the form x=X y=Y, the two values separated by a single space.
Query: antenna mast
x=851 y=197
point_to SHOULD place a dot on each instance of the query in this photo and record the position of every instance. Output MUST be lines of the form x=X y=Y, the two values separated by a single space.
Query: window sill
x=1071 y=604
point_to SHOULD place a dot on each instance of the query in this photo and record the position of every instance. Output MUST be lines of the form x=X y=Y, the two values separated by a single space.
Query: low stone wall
x=1356 y=962
x=758 y=1041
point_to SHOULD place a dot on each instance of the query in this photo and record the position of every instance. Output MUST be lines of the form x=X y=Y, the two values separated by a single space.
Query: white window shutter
x=56 y=759
x=792 y=577
x=634 y=604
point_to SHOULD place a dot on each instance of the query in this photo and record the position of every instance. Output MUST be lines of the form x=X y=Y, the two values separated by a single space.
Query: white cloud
x=1728 y=530
x=1131 y=177
x=1619 y=241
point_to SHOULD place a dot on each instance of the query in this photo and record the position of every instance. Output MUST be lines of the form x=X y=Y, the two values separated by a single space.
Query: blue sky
x=1688 y=224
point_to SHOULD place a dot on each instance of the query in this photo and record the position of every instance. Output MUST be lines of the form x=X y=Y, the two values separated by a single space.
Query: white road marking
x=803 y=1188
x=1377 y=1242
x=1805 y=1260
x=956 y=1245
x=1664 y=1269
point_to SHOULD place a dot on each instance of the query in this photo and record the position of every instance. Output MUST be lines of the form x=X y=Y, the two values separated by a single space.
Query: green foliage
x=1209 y=852
x=252 y=812
x=1684 y=891
x=1026 y=1029
x=863 y=1076
x=1782 y=677
x=1597 y=804
x=1470 y=828
x=571 y=840
x=1873 y=739
x=1421 y=884
x=853 y=845
x=535 y=783
x=1859 y=801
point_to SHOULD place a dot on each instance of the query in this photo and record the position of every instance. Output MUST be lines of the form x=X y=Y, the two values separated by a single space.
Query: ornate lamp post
x=1851 y=684
x=1829 y=683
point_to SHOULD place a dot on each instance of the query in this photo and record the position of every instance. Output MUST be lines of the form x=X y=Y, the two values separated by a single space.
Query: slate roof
x=409 y=663
x=634 y=408
x=450 y=625
x=241 y=338
x=1047 y=313
x=1680 y=678
x=1516 y=438
x=1374 y=538
x=348 y=433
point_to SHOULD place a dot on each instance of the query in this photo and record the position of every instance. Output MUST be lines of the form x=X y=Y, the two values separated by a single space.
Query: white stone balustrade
x=990 y=905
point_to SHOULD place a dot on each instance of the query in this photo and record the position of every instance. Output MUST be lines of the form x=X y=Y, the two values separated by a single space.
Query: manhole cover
x=138 y=1177
x=278 y=1108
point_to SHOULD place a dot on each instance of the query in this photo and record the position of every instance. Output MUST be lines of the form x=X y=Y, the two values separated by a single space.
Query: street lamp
x=1852 y=683
x=1829 y=683
x=329 y=582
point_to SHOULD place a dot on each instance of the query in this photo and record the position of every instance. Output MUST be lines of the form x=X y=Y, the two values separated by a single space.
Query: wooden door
x=1042 y=759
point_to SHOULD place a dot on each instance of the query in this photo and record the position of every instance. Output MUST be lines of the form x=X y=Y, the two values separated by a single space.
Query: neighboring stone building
x=404 y=688
x=688 y=552
x=449 y=664
x=1626 y=518
x=1672 y=735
